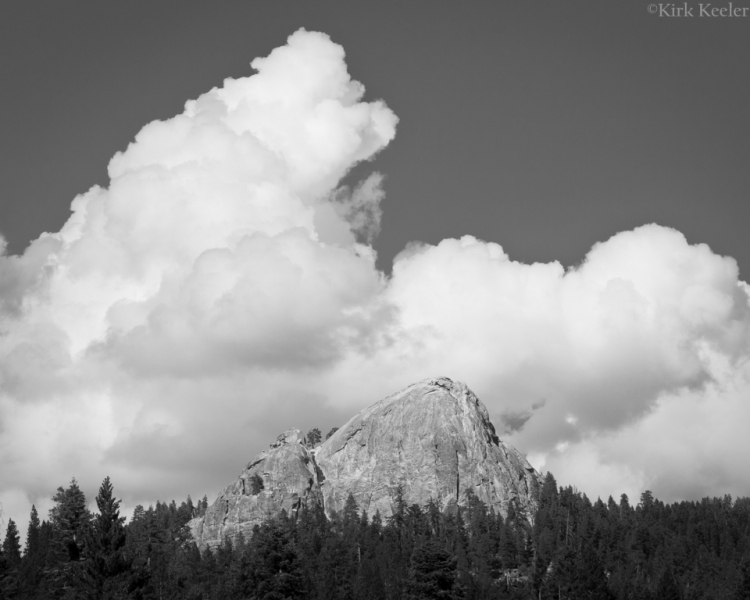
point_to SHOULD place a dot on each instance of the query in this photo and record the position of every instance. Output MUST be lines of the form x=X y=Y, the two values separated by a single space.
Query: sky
x=223 y=220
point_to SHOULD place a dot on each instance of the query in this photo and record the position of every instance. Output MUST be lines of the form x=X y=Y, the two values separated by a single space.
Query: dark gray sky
x=545 y=127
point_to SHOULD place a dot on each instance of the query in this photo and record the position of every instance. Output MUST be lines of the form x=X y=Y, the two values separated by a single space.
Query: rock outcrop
x=280 y=478
x=433 y=439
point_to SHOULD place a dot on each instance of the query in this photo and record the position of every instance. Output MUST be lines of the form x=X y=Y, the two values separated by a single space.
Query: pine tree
x=32 y=534
x=625 y=509
x=5 y=581
x=743 y=584
x=508 y=547
x=33 y=556
x=547 y=530
x=105 y=563
x=397 y=520
x=12 y=545
x=256 y=484
x=185 y=511
x=370 y=585
x=69 y=523
x=337 y=578
x=667 y=588
x=11 y=560
x=275 y=567
x=433 y=574
x=350 y=516
x=70 y=519
x=313 y=437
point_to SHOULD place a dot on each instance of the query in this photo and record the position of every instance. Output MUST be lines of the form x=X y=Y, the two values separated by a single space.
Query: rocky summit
x=433 y=440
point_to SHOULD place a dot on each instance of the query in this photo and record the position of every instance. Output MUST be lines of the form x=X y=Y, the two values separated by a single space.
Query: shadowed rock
x=434 y=439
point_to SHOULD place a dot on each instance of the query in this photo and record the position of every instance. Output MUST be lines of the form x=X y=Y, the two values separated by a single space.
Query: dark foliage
x=575 y=549
x=104 y=569
x=10 y=561
x=12 y=545
x=256 y=484
x=313 y=437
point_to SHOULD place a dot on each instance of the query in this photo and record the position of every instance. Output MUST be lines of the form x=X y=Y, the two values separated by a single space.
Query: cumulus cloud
x=592 y=347
x=694 y=444
x=221 y=257
x=223 y=288
x=564 y=358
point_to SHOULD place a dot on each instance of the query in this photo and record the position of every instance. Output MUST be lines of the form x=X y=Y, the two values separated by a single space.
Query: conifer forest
x=575 y=549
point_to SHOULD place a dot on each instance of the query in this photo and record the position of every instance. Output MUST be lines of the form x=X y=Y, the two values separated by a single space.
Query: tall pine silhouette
x=105 y=565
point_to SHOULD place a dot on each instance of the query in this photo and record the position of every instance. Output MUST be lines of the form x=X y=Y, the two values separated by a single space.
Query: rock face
x=288 y=475
x=434 y=439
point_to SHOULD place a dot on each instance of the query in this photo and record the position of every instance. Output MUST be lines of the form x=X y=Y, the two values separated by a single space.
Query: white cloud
x=607 y=365
x=223 y=288
x=692 y=445
x=221 y=254
x=638 y=318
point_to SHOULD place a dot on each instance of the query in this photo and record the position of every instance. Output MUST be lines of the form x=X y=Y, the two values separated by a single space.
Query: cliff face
x=288 y=475
x=434 y=439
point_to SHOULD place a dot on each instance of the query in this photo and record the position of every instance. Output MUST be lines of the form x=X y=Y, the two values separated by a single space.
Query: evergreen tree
x=275 y=566
x=32 y=533
x=69 y=523
x=185 y=511
x=105 y=564
x=256 y=484
x=34 y=555
x=350 y=523
x=370 y=584
x=625 y=509
x=11 y=560
x=547 y=530
x=144 y=541
x=398 y=513
x=70 y=519
x=313 y=437
x=338 y=569
x=574 y=550
x=394 y=552
x=12 y=545
x=5 y=581
x=508 y=547
x=742 y=591
x=578 y=575
x=667 y=588
x=433 y=574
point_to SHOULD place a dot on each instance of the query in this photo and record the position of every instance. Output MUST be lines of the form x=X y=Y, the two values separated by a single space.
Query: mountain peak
x=433 y=440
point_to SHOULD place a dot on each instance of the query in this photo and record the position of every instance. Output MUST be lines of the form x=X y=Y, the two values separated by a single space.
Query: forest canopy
x=570 y=548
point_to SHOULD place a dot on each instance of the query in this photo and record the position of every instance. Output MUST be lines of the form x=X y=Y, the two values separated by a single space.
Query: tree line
x=570 y=548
